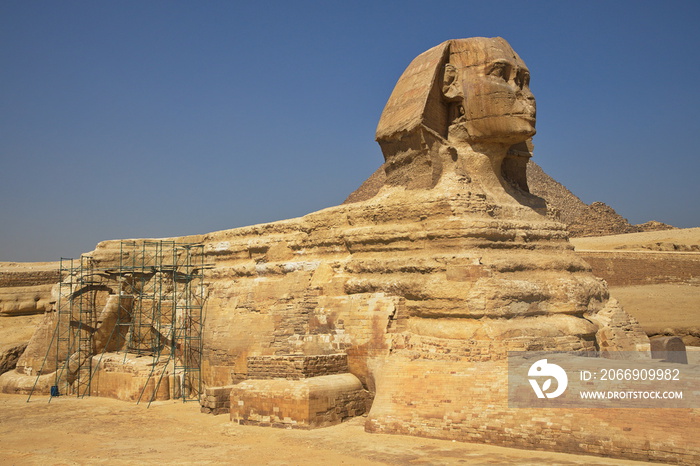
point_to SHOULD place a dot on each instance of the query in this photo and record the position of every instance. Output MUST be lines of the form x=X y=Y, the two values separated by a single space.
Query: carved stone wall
x=25 y=288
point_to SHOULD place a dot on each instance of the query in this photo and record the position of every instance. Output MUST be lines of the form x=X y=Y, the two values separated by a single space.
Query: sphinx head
x=472 y=92
x=486 y=85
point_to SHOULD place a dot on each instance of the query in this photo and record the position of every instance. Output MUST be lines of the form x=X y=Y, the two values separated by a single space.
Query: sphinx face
x=489 y=85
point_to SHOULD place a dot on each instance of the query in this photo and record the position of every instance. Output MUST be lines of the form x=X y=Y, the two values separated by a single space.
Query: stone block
x=668 y=349
x=296 y=366
x=216 y=400
x=304 y=403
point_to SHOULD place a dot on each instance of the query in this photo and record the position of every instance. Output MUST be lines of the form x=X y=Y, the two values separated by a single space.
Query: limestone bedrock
x=428 y=284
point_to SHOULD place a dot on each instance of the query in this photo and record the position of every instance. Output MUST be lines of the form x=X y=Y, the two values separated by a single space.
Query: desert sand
x=96 y=430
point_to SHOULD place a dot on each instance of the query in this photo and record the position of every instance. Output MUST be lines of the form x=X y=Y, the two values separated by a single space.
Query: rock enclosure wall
x=641 y=268
x=25 y=288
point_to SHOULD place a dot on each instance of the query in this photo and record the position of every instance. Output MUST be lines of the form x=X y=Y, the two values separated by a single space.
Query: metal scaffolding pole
x=160 y=295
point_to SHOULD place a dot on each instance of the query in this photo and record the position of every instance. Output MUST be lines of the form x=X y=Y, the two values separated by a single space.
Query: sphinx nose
x=528 y=100
x=525 y=93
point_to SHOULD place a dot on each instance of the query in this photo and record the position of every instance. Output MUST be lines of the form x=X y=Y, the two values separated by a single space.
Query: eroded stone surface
x=668 y=348
x=305 y=403
x=25 y=288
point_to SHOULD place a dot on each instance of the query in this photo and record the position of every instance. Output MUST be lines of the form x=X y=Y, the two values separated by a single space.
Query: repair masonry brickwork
x=296 y=367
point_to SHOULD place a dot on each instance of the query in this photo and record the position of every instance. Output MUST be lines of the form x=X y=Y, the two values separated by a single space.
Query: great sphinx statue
x=413 y=294
x=456 y=137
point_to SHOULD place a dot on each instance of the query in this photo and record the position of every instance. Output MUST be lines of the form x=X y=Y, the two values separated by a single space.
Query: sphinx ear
x=452 y=92
x=451 y=89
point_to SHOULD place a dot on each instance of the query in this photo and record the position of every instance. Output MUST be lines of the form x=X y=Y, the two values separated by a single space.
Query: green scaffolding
x=159 y=288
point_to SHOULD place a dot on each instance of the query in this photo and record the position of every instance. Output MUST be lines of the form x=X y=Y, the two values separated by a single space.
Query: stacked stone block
x=297 y=391
x=216 y=400
x=295 y=367
x=302 y=404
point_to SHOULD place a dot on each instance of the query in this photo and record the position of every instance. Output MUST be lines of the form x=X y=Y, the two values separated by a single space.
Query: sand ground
x=95 y=430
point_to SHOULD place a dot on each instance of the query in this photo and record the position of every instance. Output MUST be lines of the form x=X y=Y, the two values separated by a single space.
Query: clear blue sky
x=129 y=119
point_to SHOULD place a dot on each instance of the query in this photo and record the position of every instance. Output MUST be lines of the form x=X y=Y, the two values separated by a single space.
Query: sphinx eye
x=522 y=79
x=500 y=70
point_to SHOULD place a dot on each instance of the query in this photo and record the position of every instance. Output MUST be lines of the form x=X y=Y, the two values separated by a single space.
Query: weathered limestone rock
x=295 y=367
x=617 y=330
x=25 y=288
x=216 y=400
x=133 y=378
x=297 y=391
x=668 y=348
x=15 y=333
x=9 y=356
x=312 y=402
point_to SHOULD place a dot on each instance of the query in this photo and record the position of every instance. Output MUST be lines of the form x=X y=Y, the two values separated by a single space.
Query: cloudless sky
x=132 y=119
